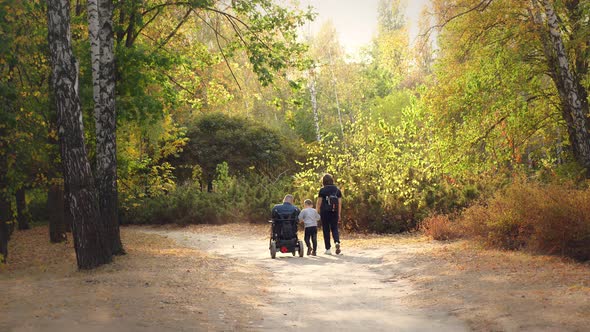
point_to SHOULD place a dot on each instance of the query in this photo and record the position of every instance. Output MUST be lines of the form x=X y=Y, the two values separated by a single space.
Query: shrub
x=235 y=199
x=389 y=178
x=184 y=205
x=549 y=219
x=440 y=227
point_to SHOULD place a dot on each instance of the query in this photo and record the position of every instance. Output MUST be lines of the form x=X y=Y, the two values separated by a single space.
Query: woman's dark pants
x=330 y=223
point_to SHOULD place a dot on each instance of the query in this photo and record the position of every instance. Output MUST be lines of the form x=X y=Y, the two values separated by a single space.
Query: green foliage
x=216 y=95
x=243 y=144
x=26 y=128
x=184 y=205
x=236 y=199
x=383 y=173
x=263 y=21
x=37 y=205
x=389 y=108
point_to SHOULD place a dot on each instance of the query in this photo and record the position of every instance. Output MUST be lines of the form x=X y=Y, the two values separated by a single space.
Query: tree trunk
x=130 y=31
x=55 y=208
x=22 y=214
x=93 y=37
x=103 y=72
x=5 y=217
x=5 y=209
x=335 y=85
x=571 y=91
x=88 y=233
x=314 y=106
x=68 y=218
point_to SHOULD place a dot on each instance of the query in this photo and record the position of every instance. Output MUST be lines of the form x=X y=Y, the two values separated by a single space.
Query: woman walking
x=329 y=206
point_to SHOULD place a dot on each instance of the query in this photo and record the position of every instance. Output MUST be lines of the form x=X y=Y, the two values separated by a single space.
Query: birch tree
x=81 y=198
x=571 y=92
x=100 y=31
x=547 y=37
x=314 y=105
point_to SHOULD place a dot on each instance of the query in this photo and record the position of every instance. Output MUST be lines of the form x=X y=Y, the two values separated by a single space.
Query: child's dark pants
x=311 y=232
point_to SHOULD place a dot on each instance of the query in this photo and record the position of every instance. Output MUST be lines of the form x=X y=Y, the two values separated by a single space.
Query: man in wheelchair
x=284 y=228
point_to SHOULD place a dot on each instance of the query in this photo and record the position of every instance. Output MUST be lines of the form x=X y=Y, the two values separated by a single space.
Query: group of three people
x=328 y=209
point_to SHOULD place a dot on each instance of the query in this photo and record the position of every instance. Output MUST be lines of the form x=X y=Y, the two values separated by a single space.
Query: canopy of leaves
x=244 y=145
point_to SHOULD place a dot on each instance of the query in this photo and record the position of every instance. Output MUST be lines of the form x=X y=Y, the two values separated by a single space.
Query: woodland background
x=478 y=128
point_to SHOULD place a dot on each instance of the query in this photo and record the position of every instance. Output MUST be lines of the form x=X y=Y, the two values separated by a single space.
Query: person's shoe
x=338 y=248
x=314 y=253
x=328 y=252
x=308 y=251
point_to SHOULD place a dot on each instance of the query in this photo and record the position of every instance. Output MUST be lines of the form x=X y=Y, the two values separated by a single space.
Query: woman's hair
x=308 y=202
x=327 y=180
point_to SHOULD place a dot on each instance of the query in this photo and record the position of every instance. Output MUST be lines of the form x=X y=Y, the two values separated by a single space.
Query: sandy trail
x=349 y=292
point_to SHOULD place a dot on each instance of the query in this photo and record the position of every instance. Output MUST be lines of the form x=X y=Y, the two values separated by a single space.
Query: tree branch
x=225 y=59
x=175 y=30
x=481 y=6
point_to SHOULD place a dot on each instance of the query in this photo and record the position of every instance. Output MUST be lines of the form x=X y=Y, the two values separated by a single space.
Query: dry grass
x=30 y=252
x=549 y=219
x=496 y=290
x=157 y=284
x=440 y=227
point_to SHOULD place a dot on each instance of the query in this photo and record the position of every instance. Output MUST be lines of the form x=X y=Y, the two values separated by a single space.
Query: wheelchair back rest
x=286 y=228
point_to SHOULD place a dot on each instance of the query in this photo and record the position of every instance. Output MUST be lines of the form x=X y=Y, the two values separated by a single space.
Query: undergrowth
x=542 y=218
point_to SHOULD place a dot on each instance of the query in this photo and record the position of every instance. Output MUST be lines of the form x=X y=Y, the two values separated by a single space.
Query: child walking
x=309 y=216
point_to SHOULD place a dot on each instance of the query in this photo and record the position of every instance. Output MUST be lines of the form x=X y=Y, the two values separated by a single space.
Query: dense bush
x=440 y=227
x=185 y=204
x=37 y=205
x=246 y=198
x=550 y=219
x=388 y=175
x=244 y=145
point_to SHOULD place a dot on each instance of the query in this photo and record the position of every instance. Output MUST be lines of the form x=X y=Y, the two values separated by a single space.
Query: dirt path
x=350 y=292
x=221 y=278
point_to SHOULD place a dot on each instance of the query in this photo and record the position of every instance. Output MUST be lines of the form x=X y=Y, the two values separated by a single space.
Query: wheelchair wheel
x=300 y=248
x=273 y=249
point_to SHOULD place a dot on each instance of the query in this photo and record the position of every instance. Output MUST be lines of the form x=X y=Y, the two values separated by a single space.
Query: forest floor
x=221 y=278
x=157 y=286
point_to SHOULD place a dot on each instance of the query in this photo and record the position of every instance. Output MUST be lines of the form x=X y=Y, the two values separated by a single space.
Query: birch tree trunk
x=574 y=108
x=314 y=106
x=101 y=34
x=107 y=165
x=335 y=85
x=93 y=31
x=88 y=233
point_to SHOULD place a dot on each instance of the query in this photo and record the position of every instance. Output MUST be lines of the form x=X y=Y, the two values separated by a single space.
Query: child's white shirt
x=310 y=217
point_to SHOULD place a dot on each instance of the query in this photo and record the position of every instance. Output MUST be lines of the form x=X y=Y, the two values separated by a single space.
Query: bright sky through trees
x=356 y=20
